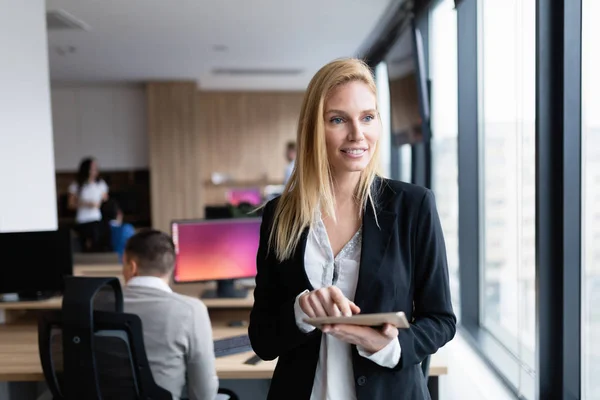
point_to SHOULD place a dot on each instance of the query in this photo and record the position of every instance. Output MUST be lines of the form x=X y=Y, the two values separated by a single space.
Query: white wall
x=27 y=184
x=104 y=121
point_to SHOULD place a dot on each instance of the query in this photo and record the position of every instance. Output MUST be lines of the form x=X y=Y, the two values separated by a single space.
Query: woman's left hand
x=370 y=339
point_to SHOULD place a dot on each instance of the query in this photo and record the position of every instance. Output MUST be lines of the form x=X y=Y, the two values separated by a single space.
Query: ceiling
x=277 y=45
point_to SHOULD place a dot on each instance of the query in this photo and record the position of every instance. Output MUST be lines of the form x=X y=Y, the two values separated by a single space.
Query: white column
x=383 y=100
x=27 y=180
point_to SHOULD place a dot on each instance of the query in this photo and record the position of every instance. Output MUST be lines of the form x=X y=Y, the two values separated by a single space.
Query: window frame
x=431 y=87
x=558 y=228
x=558 y=192
x=495 y=354
x=558 y=218
x=589 y=284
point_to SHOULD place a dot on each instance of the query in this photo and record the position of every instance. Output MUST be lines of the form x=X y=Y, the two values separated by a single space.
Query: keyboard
x=232 y=345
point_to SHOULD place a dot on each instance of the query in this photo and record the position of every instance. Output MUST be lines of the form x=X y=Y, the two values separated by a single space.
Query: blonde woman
x=340 y=241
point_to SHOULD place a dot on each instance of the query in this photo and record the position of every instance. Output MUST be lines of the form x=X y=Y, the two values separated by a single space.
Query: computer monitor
x=252 y=196
x=216 y=250
x=217 y=212
x=35 y=263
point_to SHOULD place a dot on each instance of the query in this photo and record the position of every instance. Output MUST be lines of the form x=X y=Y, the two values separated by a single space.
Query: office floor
x=468 y=376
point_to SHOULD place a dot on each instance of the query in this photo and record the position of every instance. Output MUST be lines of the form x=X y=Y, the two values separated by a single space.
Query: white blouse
x=92 y=192
x=334 y=377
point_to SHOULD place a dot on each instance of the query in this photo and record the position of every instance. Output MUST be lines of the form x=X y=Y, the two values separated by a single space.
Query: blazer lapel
x=298 y=259
x=375 y=240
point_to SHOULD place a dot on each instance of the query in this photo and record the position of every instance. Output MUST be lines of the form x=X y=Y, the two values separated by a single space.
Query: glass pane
x=383 y=102
x=444 y=125
x=590 y=200
x=507 y=82
x=405 y=118
x=405 y=163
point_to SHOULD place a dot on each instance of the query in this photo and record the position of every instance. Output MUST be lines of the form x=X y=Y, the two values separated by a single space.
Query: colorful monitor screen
x=210 y=250
x=250 y=196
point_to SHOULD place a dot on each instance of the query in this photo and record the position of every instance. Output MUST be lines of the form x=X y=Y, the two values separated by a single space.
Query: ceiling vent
x=61 y=20
x=256 y=72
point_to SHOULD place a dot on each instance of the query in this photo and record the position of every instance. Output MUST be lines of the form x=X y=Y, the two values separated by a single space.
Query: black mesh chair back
x=91 y=350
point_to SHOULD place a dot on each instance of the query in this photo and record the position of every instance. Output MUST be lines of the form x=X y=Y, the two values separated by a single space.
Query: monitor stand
x=225 y=289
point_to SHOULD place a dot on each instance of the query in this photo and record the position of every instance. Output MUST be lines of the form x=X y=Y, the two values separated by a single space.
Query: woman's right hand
x=327 y=302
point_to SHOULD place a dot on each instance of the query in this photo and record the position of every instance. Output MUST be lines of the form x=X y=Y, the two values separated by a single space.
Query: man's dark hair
x=153 y=250
x=290 y=146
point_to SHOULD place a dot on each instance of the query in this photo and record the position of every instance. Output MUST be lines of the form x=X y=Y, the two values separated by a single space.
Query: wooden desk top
x=192 y=290
x=99 y=270
x=19 y=358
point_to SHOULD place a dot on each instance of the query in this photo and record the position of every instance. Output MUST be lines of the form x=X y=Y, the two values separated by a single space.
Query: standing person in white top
x=290 y=156
x=86 y=195
x=342 y=240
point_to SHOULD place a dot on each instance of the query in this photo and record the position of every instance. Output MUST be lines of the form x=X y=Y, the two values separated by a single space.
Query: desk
x=230 y=308
x=192 y=290
x=188 y=289
x=95 y=258
x=20 y=362
x=19 y=358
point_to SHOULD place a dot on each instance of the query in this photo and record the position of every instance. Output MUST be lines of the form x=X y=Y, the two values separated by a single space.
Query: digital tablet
x=398 y=319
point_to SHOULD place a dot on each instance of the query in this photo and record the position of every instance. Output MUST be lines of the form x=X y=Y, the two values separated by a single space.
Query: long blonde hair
x=311 y=183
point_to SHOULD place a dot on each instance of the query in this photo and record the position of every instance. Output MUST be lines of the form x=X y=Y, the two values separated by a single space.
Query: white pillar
x=383 y=100
x=27 y=180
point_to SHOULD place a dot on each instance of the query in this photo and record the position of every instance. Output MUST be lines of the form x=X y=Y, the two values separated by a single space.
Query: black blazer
x=403 y=268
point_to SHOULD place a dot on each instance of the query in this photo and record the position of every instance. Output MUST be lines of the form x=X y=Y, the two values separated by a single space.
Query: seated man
x=117 y=231
x=177 y=329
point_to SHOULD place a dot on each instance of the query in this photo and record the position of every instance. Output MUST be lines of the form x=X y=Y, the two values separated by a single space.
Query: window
x=590 y=154
x=507 y=118
x=444 y=125
x=383 y=101
x=389 y=152
x=405 y=156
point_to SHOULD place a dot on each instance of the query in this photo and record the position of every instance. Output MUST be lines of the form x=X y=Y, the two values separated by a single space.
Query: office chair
x=88 y=352
x=91 y=349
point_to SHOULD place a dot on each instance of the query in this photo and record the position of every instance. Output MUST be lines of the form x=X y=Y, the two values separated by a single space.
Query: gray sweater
x=178 y=341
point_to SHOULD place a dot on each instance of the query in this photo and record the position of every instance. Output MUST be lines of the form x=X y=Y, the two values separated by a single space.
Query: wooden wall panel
x=176 y=183
x=243 y=134
x=193 y=134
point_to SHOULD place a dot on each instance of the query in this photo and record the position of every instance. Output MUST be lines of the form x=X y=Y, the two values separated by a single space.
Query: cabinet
x=104 y=121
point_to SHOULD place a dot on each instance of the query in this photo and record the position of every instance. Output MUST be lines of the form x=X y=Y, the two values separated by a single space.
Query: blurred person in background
x=117 y=231
x=290 y=155
x=86 y=196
